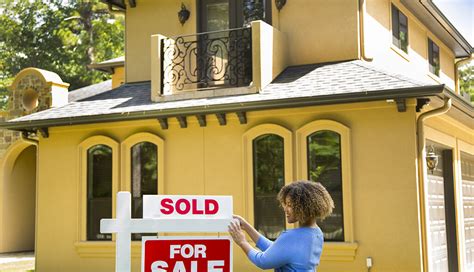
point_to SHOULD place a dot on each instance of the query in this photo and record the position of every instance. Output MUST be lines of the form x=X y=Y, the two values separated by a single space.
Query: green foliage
x=466 y=79
x=268 y=164
x=57 y=35
x=324 y=153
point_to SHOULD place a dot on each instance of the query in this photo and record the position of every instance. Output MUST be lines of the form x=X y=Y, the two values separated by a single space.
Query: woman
x=296 y=249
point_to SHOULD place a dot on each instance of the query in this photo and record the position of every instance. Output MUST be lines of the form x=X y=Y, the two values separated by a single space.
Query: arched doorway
x=18 y=198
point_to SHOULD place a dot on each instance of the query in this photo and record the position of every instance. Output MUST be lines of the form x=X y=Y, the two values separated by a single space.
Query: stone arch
x=17 y=195
x=35 y=90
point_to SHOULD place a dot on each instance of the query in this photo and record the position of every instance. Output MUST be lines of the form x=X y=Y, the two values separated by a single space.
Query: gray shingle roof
x=90 y=90
x=308 y=82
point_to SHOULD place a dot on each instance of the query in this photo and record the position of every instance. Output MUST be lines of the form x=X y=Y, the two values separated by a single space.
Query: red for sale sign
x=186 y=254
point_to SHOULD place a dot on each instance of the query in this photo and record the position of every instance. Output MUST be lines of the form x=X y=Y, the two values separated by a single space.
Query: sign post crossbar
x=124 y=225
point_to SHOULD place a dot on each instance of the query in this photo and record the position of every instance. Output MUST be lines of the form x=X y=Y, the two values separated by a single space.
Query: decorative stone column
x=253 y=10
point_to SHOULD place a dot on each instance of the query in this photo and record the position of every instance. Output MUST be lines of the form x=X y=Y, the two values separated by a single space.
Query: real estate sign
x=169 y=213
x=186 y=254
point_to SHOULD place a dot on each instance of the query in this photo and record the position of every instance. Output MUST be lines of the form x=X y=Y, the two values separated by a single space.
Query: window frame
x=395 y=23
x=126 y=161
x=431 y=67
x=302 y=165
x=248 y=164
x=83 y=149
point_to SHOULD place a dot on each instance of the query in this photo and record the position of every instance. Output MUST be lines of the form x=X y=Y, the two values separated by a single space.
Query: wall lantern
x=183 y=14
x=431 y=159
x=279 y=4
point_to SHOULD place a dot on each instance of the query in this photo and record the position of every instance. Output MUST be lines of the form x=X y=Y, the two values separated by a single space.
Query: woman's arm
x=275 y=256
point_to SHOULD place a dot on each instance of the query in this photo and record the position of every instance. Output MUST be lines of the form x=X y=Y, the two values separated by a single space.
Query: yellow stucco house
x=239 y=98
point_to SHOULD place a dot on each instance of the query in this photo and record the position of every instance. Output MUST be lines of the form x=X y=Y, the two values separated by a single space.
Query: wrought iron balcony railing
x=207 y=60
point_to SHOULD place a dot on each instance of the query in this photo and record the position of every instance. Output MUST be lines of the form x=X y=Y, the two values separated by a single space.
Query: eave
x=430 y=15
x=107 y=67
x=416 y=92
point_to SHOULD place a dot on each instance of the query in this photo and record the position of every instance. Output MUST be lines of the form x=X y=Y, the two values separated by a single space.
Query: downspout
x=361 y=32
x=421 y=153
x=24 y=138
x=458 y=63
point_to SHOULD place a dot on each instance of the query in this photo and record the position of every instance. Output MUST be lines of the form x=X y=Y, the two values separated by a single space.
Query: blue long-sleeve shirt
x=296 y=250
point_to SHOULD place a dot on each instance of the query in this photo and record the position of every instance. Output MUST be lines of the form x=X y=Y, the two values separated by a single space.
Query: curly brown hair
x=309 y=200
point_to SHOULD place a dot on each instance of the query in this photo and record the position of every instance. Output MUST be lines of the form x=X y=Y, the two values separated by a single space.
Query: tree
x=57 y=35
x=466 y=79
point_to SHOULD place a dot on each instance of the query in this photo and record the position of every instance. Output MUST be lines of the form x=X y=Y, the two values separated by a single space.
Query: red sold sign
x=185 y=254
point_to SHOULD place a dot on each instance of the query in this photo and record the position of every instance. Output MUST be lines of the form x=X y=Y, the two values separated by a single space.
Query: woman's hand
x=236 y=232
x=243 y=223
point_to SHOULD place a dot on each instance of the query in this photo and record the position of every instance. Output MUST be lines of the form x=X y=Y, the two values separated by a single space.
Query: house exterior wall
x=379 y=46
x=312 y=27
x=211 y=160
x=118 y=77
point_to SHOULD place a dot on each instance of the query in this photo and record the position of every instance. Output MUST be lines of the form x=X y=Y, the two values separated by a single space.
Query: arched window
x=144 y=177
x=269 y=174
x=324 y=156
x=324 y=166
x=142 y=169
x=99 y=159
x=99 y=190
x=268 y=167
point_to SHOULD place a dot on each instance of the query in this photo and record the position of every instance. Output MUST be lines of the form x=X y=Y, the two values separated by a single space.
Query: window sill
x=400 y=52
x=103 y=249
x=332 y=251
x=343 y=251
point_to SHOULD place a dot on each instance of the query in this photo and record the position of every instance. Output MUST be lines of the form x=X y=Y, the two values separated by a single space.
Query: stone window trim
x=82 y=155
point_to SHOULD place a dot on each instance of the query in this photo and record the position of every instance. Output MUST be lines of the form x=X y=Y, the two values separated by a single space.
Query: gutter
x=456 y=70
x=229 y=108
x=422 y=176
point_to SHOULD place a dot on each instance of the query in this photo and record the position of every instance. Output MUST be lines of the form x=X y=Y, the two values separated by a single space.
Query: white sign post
x=163 y=213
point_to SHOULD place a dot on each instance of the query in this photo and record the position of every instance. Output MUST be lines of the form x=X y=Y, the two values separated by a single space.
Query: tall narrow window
x=144 y=161
x=324 y=166
x=99 y=190
x=399 y=29
x=269 y=178
x=433 y=57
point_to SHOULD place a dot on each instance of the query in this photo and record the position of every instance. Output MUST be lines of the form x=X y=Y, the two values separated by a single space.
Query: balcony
x=230 y=62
